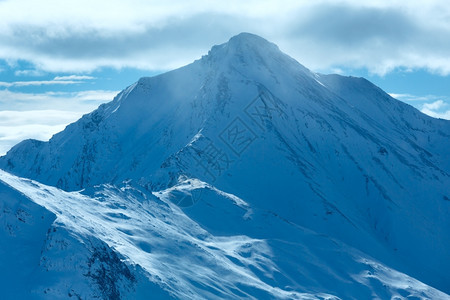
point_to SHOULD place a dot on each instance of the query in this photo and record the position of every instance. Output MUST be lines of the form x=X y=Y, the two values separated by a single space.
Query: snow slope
x=176 y=254
x=43 y=257
x=329 y=159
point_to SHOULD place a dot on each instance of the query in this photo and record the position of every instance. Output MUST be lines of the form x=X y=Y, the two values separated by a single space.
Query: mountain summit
x=277 y=181
x=252 y=52
x=185 y=99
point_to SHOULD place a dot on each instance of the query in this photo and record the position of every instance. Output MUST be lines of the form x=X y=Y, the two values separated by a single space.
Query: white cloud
x=40 y=115
x=47 y=117
x=58 y=80
x=16 y=126
x=34 y=73
x=414 y=98
x=436 y=109
x=37 y=83
x=84 y=101
x=399 y=96
x=337 y=71
x=441 y=115
x=435 y=105
x=431 y=105
x=84 y=35
x=73 y=77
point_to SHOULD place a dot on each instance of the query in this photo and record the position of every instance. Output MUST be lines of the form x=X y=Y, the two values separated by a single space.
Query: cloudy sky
x=60 y=59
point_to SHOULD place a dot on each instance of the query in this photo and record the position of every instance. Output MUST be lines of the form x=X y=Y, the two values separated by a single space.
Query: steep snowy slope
x=80 y=254
x=43 y=257
x=332 y=154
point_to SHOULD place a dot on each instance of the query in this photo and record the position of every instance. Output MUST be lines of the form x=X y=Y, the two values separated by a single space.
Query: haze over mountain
x=243 y=174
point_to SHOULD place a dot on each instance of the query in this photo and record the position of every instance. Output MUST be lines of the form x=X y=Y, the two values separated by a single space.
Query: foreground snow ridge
x=155 y=235
x=241 y=175
x=179 y=256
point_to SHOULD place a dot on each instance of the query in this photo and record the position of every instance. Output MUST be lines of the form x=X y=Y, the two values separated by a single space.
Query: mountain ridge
x=133 y=258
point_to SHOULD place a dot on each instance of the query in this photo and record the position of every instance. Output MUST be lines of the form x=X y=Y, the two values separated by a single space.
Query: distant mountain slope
x=335 y=155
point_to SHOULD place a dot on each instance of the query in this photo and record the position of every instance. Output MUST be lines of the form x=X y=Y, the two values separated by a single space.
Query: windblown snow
x=241 y=175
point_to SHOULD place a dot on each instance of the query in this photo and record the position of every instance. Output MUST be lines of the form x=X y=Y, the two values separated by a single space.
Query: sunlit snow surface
x=189 y=262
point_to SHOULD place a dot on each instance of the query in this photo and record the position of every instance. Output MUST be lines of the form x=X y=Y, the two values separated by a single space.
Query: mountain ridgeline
x=249 y=126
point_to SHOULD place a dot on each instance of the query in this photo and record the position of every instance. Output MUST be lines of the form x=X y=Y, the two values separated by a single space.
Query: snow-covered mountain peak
x=332 y=154
x=244 y=44
x=245 y=57
x=248 y=53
